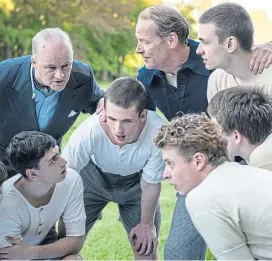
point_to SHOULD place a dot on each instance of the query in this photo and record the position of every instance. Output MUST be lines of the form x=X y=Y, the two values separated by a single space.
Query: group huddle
x=215 y=148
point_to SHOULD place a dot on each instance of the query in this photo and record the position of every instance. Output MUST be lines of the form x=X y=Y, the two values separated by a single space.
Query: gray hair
x=50 y=35
x=230 y=19
x=168 y=20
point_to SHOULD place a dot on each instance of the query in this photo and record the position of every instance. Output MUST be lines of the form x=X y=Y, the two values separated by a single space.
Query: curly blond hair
x=194 y=133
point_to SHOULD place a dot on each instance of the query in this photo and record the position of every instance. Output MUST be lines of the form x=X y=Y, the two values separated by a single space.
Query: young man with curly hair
x=234 y=222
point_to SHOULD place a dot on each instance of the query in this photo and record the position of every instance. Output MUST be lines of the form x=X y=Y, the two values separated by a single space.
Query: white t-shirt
x=90 y=141
x=220 y=80
x=232 y=210
x=19 y=219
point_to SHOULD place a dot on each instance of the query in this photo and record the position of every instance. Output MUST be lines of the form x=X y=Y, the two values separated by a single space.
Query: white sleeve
x=224 y=238
x=212 y=85
x=74 y=216
x=10 y=220
x=78 y=151
x=154 y=167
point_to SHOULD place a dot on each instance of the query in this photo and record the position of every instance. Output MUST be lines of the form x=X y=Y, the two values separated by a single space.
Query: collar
x=45 y=90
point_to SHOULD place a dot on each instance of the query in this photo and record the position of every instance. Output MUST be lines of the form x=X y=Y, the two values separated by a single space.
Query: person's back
x=244 y=217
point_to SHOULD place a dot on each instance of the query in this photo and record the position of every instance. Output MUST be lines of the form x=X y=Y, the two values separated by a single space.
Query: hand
x=143 y=238
x=18 y=251
x=100 y=109
x=261 y=57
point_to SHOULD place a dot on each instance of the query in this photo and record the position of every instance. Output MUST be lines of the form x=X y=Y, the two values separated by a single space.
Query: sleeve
x=78 y=150
x=212 y=85
x=74 y=216
x=10 y=220
x=150 y=105
x=223 y=237
x=95 y=94
x=154 y=167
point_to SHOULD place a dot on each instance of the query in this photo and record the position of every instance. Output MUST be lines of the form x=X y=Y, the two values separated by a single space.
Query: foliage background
x=102 y=31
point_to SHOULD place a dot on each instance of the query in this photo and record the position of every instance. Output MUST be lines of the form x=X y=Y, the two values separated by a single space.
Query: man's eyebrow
x=53 y=157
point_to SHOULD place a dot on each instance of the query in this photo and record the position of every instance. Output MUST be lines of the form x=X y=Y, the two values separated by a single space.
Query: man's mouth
x=64 y=172
x=120 y=137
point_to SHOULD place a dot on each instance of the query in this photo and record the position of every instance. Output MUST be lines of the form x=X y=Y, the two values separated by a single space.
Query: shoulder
x=217 y=81
x=218 y=74
x=80 y=67
x=154 y=122
x=70 y=183
x=145 y=76
x=87 y=126
x=15 y=62
x=261 y=157
x=82 y=73
x=13 y=205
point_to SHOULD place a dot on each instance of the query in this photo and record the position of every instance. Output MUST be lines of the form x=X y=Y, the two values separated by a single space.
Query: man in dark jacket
x=46 y=91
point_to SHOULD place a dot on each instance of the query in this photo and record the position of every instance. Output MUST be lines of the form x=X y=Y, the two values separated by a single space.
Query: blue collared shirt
x=45 y=105
x=190 y=96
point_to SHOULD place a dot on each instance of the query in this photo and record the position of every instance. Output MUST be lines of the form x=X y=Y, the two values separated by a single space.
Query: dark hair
x=230 y=20
x=127 y=92
x=27 y=148
x=243 y=108
x=168 y=20
x=3 y=173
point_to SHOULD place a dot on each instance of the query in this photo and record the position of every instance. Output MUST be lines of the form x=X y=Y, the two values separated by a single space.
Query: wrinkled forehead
x=45 y=48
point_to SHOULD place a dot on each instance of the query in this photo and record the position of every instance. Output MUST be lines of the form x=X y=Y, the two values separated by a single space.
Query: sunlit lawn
x=108 y=240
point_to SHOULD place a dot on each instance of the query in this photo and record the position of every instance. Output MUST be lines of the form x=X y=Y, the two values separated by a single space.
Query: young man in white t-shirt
x=230 y=204
x=226 y=38
x=245 y=114
x=35 y=199
x=119 y=162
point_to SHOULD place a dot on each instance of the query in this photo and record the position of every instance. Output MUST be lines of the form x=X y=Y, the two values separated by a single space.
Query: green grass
x=108 y=240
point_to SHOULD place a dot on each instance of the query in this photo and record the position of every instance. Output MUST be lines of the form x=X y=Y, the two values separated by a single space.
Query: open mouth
x=64 y=172
x=120 y=137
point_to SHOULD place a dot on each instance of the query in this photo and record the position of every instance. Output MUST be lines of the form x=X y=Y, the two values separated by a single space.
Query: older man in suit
x=46 y=91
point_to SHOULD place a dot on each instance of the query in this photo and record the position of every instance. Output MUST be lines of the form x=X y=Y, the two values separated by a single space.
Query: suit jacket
x=18 y=109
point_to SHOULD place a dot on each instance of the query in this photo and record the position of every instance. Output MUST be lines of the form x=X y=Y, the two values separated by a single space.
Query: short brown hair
x=168 y=20
x=230 y=19
x=244 y=108
x=194 y=133
x=127 y=92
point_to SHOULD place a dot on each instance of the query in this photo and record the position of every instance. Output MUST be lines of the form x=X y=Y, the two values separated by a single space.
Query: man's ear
x=237 y=136
x=200 y=161
x=172 y=40
x=143 y=115
x=32 y=173
x=231 y=44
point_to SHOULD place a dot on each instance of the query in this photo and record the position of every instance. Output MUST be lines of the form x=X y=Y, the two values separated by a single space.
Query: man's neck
x=239 y=66
x=35 y=193
x=179 y=56
x=247 y=150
